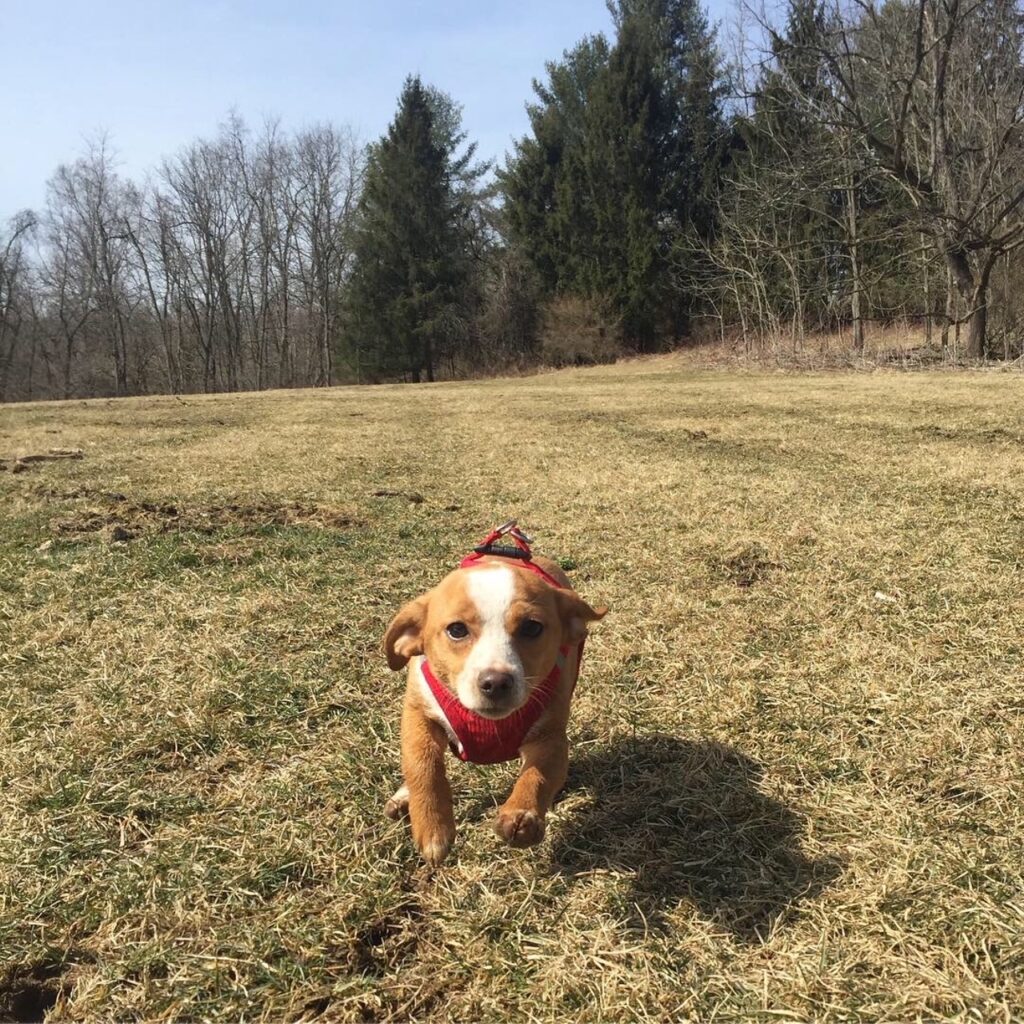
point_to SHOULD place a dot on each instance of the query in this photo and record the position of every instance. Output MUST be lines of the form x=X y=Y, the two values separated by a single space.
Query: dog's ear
x=404 y=638
x=576 y=613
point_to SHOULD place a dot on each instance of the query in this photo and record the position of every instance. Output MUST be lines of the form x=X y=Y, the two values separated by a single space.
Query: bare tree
x=205 y=242
x=14 y=291
x=227 y=270
x=87 y=268
x=329 y=166
x=933 y=91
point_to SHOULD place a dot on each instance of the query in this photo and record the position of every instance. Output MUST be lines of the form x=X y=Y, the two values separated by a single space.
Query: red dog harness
x=482 y=740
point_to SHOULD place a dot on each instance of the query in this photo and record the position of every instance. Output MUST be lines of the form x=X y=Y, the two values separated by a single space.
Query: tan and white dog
x=493 y=654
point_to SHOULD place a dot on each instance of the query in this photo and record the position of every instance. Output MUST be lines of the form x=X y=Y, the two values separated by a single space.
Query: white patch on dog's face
x=492 y=591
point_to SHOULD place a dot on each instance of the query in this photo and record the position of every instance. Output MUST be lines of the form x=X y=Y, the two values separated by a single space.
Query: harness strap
x=486 y=740
x=518 y=561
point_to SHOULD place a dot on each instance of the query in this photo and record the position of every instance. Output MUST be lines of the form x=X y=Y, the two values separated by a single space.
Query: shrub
x=577 y=331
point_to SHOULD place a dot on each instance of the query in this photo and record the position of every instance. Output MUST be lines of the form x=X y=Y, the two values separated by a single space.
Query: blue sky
x=155 y=74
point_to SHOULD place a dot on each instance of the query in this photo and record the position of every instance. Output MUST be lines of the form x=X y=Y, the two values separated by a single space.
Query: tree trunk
x=855 y=310
x=974 y=290
x=119 y=351
x=977 y=343
x=324 y=380
x=33 y=342
x=948 y=320
x=1007 y=353
x=927 y=292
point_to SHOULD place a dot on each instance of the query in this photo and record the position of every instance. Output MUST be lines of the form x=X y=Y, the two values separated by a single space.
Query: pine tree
x=687 y=65
x=412 y=263
x=547 y=214
x=623 y=163
x=628 y=137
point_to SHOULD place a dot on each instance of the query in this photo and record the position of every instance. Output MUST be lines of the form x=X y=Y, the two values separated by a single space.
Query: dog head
x=491 y=633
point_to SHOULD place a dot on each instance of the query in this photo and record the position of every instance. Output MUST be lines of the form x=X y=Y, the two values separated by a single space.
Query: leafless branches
x=878 y=140
x=224 y=272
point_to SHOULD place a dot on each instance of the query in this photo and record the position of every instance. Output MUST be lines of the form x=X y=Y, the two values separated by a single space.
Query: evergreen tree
x=412 y=270
x=622 y=163
x=687 y=65
x=546 y=209
x=628 y=137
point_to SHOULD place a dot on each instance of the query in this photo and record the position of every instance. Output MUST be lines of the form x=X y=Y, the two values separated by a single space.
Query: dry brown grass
x=797 y=771
x=898 y=345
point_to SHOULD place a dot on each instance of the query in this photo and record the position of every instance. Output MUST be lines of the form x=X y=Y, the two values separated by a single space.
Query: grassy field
x=797 y=770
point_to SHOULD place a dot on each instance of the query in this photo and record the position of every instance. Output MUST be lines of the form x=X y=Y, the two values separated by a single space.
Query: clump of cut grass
x=796 y=780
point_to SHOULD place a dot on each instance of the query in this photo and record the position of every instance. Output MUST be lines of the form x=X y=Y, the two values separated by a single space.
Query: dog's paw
x=433 y=829
x=398 y=806
x=520 y=828
x=434 y=847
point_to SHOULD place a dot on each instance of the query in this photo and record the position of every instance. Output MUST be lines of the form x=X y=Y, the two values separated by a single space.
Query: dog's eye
x=531 y=629
x=457 y=630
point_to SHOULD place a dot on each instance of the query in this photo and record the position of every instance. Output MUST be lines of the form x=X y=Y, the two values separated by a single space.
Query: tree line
x=852 y=163
x=224 y=272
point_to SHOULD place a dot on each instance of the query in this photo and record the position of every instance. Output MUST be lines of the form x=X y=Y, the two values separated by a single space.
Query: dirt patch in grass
x=385 y=943
x=29 y=992
x=123 y=518
x=22 y=463
x=413 y=497
x=992 y=435
x=745 y=564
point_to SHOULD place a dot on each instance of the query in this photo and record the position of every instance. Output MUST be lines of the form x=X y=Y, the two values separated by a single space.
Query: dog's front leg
x=545 y=766
x=429 y=795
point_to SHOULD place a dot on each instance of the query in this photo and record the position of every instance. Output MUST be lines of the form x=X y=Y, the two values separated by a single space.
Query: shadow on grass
x=687 y=820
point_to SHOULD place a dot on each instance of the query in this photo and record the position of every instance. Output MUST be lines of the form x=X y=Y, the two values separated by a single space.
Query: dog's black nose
x=496 y=685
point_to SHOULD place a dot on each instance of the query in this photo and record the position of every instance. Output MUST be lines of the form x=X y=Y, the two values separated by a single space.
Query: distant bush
x=576 y=331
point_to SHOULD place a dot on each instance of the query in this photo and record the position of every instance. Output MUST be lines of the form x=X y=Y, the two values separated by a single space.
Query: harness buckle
x=511 y=529
x=503 y=551
x=489 y=545
x=520 y=551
